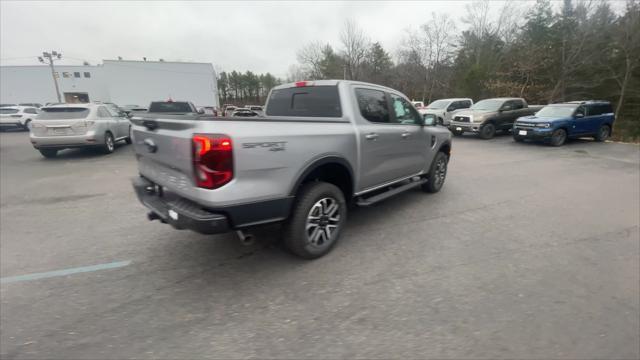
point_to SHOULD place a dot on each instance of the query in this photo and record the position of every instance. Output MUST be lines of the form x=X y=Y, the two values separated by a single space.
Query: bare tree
x=627 y=47
x=311 y=56
x=355 y=45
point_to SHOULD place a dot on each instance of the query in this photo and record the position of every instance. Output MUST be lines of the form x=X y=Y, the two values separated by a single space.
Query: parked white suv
x=79 y=125
x=443 y=109
x=17 y=116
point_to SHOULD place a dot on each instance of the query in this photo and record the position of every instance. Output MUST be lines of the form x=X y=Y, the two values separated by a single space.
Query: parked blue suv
x=555 y=123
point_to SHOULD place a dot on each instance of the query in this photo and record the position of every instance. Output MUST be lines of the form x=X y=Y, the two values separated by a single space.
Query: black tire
x=128 y=138
x=487 y=131
x=603 y=133
x=49 y=153
x=558 y=137
x=437 y=173
x=314 y=242
x=440 y=121
x=26 y=124
x=456 y=132
x=109 y=144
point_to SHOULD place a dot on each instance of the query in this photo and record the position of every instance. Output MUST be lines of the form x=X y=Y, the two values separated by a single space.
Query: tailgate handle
x=150 y=124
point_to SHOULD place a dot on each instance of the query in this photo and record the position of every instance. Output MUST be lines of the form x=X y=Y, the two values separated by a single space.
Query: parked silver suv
x=79 y=125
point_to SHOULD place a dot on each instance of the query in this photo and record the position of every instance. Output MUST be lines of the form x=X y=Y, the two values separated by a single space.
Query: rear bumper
x=10 y=124
x=65 y=141
x=183 y=213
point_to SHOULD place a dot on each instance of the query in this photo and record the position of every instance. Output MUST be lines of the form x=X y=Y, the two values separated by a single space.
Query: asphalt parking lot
x=528 y=251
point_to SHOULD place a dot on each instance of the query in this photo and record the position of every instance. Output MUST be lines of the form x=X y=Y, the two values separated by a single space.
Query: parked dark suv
x=556 y=123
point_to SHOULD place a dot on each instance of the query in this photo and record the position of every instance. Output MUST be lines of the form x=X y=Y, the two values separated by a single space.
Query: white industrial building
x=121 y=82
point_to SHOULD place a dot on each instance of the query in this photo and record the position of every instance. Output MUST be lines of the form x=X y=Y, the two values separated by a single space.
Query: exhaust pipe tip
x=152 y=216
x=246 y=239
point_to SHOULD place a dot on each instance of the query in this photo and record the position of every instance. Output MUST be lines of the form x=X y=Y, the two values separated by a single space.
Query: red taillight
x=212 y=160
x=304 y=83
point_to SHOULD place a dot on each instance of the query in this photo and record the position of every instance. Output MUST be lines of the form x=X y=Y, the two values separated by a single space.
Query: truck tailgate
x=163 y=149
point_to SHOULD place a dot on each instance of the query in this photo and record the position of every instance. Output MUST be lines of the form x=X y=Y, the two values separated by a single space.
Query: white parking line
x=65 y=272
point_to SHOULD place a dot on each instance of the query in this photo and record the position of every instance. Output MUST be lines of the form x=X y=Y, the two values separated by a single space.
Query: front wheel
x=456 y=132
x=558 y=137
x=129 y=138
x=487 y=131
x=437 y=173
x=603 y=133
x=27 y=125
x=319 y=213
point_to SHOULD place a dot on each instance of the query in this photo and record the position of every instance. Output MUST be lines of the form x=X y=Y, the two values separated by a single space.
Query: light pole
x=50 y=57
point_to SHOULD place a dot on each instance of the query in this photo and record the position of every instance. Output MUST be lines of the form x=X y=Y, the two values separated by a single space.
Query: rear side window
x=30 y=111
x=312 y=101
x=373 y=105
x=599 y=109
x=63 y=113
x=517 y=104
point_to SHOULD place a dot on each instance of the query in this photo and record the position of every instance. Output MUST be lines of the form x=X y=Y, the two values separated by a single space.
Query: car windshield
x=8 y=111
x=556 y=111
x=63 y=113
x=438 y=104
x=490 y=105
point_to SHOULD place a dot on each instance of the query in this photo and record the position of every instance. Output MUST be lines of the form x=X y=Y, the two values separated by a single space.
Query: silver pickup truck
x=322 y=145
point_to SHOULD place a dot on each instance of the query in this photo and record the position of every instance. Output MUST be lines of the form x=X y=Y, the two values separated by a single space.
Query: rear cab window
x=306 y=101
x=63 y=113
x=170 y=107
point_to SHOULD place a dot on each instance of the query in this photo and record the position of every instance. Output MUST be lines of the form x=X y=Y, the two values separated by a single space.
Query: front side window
x=581 y=110
x=373 y=105
x=30 y=111
x=405 y=113
x=466 y=104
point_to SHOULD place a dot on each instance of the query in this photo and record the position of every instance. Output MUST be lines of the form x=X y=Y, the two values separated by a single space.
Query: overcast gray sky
x=258 y=36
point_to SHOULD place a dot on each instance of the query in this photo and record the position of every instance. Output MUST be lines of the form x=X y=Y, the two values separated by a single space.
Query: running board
x=389 y=193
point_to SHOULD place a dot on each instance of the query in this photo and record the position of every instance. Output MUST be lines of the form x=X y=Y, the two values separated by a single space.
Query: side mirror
x=579 y=115
x=129 y=115
x=200 y=111
x=428 y=120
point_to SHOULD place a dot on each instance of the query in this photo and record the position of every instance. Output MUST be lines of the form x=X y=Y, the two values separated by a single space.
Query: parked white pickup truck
x=321 y=145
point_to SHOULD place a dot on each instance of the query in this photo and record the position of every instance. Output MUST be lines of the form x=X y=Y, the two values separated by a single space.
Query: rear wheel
x=48 y=153
x=109 y=144
x=319 y=213
x=437 y=173
x=558 y=137
x=603 y=133
x=487 y=131
x=128 y=139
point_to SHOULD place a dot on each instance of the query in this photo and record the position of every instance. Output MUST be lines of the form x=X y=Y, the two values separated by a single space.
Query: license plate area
x=522 y=132
x=59 y=131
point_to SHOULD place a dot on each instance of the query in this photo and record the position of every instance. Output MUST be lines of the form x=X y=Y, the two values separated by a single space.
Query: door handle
x=406 y=135
x=372 y=136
